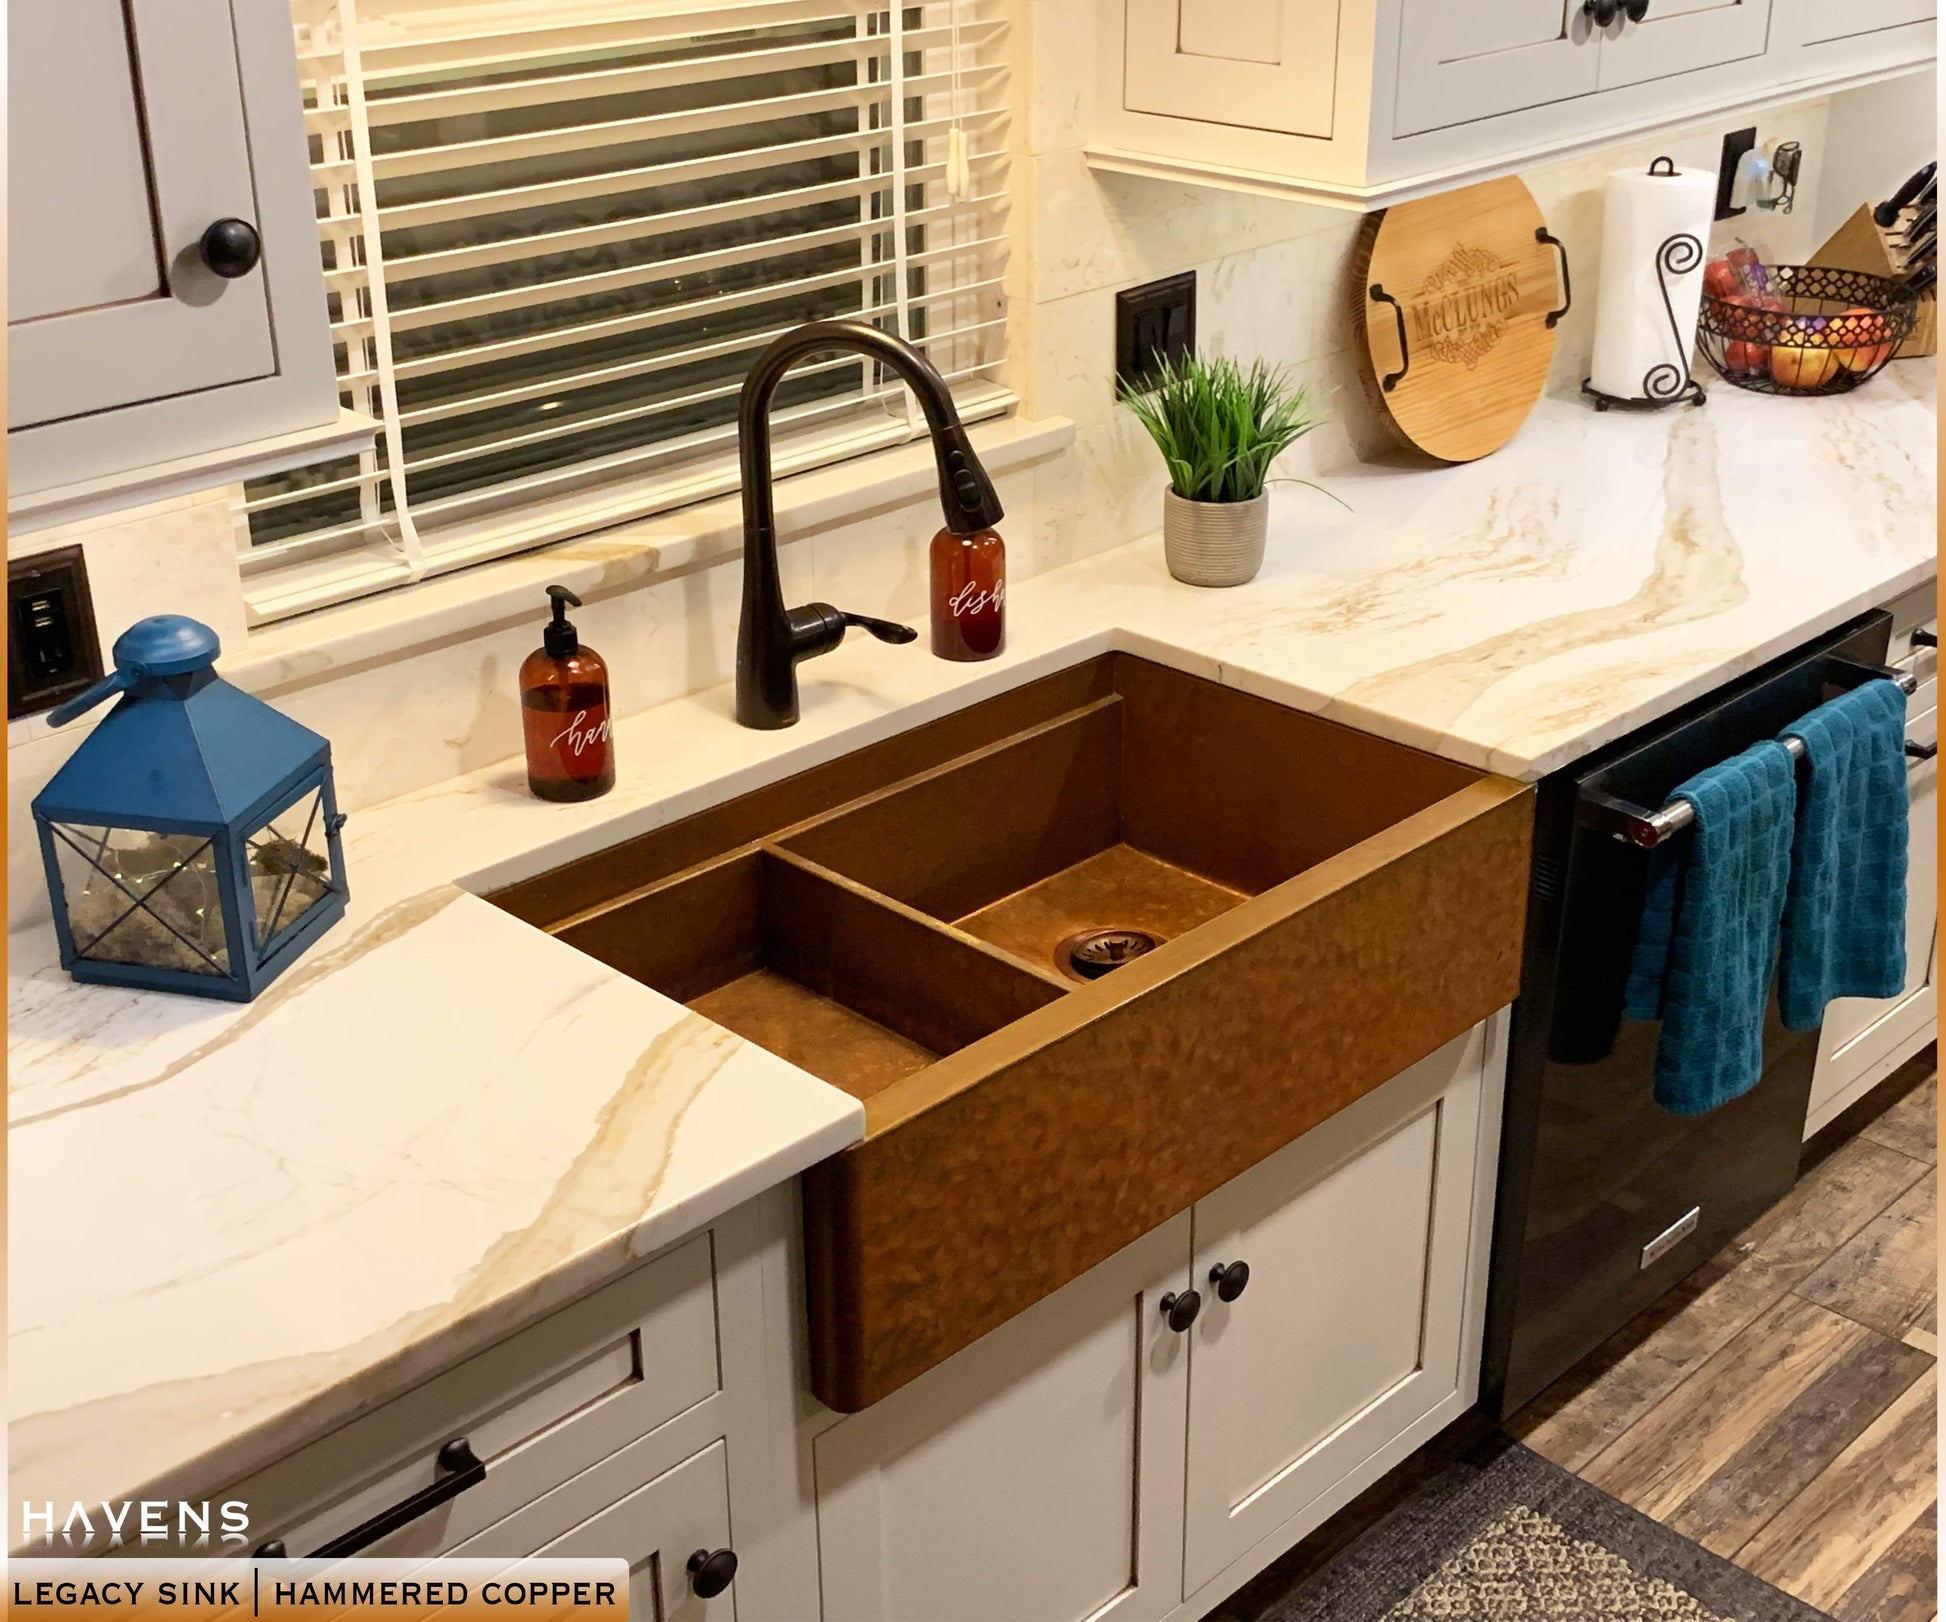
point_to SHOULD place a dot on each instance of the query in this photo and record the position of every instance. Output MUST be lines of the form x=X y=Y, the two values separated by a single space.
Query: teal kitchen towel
x=1844 y=920
x=1707 y=943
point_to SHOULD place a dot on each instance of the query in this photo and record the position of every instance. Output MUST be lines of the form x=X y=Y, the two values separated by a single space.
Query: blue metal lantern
x=191 y=841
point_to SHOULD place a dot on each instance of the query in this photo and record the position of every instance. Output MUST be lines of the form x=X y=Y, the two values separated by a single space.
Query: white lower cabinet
x=1036 y=1476
x=1130 y=1449
x=1089 y=1460
x=1864 y=1040
x=1351 y=1326
x=658 y=1529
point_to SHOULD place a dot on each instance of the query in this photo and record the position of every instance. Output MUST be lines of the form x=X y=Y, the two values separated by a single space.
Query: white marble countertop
x=232 y=1227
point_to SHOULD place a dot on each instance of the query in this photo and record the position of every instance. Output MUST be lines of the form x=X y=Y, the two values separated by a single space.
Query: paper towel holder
x=1667 y=382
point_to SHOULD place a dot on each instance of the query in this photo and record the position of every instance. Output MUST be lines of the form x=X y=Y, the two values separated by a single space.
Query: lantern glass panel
x=134 y=896
x=290 y=867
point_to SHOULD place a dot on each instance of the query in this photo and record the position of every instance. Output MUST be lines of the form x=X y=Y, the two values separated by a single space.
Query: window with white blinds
x=555 y=236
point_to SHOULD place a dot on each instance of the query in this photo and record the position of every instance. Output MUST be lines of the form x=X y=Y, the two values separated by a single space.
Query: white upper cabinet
x=1829 y=20
x=166 y=299
x=1494 y=56
x=1263 y=64
x=111 y=303
x=1682 y=36
x=1370 y=102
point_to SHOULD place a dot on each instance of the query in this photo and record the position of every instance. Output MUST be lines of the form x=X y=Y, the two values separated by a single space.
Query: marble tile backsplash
x=1272 y=280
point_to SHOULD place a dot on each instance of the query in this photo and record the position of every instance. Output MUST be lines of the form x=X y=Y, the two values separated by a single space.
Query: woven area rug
x=1505 y=1536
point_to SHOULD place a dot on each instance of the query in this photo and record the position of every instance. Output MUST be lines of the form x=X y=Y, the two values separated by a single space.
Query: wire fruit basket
x=1813 y=330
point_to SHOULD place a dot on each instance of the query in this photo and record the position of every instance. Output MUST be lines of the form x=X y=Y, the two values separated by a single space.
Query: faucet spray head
x=966 y=494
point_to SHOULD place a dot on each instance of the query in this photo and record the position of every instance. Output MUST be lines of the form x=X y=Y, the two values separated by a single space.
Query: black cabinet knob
x=1923 y=638
x=231 y=248
x=1230 y=1281
x=1179 y=1310
x=1601 y=12
x=710 y=1572
x=1636 y=9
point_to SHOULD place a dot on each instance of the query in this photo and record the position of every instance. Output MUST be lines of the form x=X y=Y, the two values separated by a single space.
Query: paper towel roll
x=1636 y=355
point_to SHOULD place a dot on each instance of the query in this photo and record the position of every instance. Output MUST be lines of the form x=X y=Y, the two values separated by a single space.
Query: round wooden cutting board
x=1454 y=295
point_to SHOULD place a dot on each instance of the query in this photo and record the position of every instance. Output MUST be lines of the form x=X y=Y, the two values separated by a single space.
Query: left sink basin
x=857 y=991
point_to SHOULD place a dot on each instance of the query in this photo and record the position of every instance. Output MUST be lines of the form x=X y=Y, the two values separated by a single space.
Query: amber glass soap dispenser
x=564 y=712
x=969 y=594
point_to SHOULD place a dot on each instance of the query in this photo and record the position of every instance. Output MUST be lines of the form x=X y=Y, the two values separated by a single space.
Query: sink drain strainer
x=1093 y=952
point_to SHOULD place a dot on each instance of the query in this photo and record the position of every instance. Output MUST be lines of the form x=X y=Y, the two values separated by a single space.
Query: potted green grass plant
x=1219 y=426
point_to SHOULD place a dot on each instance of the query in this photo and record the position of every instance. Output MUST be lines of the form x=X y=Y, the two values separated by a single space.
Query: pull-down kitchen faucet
x=771 y=638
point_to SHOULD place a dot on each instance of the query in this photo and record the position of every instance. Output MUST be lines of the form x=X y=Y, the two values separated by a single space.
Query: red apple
x=1748 y=354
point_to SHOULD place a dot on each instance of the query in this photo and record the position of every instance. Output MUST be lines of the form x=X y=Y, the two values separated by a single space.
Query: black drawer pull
x=459 y=1470
x=1923 y=638
x=1921 y=751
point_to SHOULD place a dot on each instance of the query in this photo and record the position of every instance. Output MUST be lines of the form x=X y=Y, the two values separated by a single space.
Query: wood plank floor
x=1779 y=1406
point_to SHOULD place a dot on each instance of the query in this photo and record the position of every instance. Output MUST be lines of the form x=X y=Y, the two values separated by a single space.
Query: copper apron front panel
x=1086 y=950
x=1081 y=1128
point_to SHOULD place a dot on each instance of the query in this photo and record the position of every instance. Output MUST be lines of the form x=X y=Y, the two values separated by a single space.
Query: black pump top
x=561 y=640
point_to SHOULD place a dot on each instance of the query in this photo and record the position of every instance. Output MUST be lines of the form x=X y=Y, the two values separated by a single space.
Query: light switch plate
x=52 y=650
x=1735 y=144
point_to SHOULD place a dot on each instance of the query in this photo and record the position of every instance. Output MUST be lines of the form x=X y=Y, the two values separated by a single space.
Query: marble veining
x=233 y=1227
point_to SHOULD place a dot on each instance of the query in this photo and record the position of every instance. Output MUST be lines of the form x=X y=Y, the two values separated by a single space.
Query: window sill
x=332 y=642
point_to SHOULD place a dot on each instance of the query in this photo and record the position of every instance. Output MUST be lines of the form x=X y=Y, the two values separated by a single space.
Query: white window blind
x=555 y=236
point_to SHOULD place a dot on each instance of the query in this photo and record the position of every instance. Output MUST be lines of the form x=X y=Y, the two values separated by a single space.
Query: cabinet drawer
x=536 y=1409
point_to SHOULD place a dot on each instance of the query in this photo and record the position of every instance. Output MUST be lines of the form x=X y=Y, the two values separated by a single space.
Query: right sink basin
x=1086 y=950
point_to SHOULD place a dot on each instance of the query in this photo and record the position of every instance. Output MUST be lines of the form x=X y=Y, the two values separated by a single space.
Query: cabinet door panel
x=656 y=1529
x=127 y=132
x=1680 y=36
x=1350 y=1328
x=1036 y=1475
x=1462 y=62
x=1262 y=64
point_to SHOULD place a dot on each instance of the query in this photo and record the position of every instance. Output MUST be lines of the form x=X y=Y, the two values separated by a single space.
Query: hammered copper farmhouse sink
x=1086 y=951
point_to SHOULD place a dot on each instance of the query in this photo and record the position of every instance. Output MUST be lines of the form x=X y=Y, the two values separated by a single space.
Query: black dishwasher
x=1606 y=1200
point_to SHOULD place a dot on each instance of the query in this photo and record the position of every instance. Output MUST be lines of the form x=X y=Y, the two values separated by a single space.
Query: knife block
x=1859 y=244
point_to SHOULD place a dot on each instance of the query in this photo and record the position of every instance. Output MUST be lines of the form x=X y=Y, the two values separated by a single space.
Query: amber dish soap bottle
x=564 y=712
x=969 y=594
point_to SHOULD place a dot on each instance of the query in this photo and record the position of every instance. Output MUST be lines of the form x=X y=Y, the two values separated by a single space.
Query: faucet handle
x=818 y=628
x=884 y=630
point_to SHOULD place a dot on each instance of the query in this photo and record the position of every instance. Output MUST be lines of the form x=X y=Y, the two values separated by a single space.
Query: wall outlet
x=52 y=650
x=1154 y=321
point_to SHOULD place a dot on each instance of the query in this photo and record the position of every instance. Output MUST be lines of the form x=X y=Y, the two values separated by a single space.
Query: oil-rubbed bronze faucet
x=771 y=638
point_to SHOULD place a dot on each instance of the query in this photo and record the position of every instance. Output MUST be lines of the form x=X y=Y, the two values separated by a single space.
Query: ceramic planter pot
x=1214 y=543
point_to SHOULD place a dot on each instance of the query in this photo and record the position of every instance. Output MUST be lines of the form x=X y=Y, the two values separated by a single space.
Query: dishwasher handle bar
x=1637 y=825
